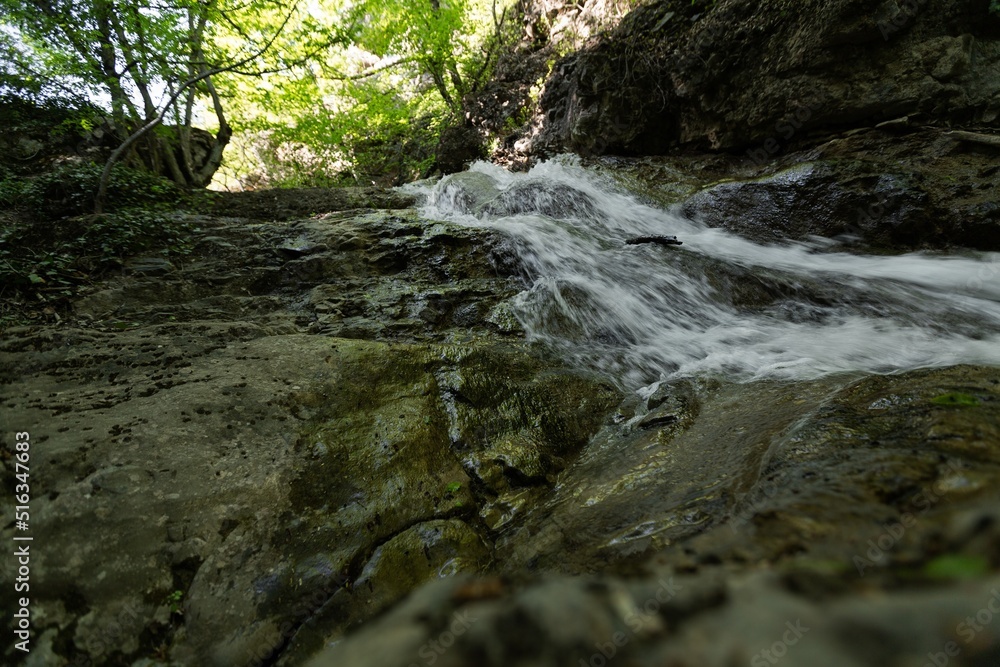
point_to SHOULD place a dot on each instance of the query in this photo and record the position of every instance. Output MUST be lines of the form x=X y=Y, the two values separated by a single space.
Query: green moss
x=956 y=566
x=956 y=399
x=821 y=566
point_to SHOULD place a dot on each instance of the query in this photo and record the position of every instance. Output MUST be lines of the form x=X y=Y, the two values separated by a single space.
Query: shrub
x=51 y=259
x=70 y=189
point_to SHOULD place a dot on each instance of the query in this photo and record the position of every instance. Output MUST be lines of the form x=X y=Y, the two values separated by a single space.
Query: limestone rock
x=758 y=75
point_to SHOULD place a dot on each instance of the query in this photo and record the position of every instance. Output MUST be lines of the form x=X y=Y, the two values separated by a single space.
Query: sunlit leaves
x=394 y=76
x=126 y=46
x=343 y=81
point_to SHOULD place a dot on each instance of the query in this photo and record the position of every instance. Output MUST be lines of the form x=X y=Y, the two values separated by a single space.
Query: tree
x=153 y=62
x=372 y=110
x=449 y=40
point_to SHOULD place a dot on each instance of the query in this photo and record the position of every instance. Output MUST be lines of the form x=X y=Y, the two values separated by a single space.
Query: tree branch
x=224 y=132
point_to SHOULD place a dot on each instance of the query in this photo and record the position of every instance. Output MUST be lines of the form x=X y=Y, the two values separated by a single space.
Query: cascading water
x=719 y=304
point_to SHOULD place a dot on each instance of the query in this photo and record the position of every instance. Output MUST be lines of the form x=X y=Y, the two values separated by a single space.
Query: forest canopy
x=292 y=93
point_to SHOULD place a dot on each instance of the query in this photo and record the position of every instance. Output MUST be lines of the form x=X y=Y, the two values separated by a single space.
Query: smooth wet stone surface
x=222 y=478
x=326 y=440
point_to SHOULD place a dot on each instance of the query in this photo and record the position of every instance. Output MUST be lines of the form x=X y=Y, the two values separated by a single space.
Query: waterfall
x=718 y=304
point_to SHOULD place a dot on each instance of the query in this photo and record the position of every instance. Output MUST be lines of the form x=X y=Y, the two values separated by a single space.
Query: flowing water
x=718 y=304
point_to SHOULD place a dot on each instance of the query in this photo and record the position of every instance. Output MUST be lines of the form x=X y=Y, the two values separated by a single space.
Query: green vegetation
x=956 y=398
x=174 y=602
x=321 y=93
x=69 y=190
x=48 y=249
x=103 y=104
x=957 y=566
x=372 y=108
x=151 y=66
x=48 y=265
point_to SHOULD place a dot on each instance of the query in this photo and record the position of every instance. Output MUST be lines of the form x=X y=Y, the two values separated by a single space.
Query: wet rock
x=467 y=191
x=249 y=458
x=234 y=483
x=852 y=486
x=377 y=266
x=672 y=619
x=478 y=194
x=868 y=190
x=489 y=400
x=760 y=75
x=823 y=200
x=149 y=266
x=431 y=550
x=721 y=476
x=457 y=147
x=279 y=204
x=551 y=199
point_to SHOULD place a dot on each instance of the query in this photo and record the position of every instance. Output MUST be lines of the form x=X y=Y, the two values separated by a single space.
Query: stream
x=718 y=304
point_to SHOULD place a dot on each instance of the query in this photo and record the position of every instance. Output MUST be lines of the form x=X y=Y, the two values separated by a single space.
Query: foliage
x=449 y=42
x=53 y=117
x=47 y=251
x=67 y=252
x=173 y=602
x=372 y=108
x=325 y=92
x=379 y=137
x=69 y=190
x=148 y=62
x=995 y=6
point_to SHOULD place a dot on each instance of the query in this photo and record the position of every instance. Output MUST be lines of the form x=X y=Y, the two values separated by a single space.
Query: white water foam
x=647 y=312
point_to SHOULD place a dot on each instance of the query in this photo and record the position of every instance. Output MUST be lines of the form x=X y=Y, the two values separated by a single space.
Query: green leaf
x=35 y=278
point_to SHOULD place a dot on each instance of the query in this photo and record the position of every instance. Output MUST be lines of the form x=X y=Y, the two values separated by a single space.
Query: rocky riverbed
x=326 y=435
x=294 y=409
x=241 y=457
